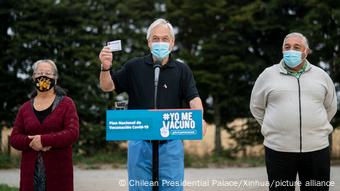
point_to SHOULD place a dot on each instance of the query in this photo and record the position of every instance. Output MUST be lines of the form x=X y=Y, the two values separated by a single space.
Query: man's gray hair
x=299 y=35
x=158 y=22
x=54 y=66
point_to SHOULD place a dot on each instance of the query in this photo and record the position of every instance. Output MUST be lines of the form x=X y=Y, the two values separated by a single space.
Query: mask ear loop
x=305 y=52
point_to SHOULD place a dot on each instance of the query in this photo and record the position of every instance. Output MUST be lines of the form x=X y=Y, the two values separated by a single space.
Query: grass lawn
x=217 y=161
x=4 y=187
x=7 y=162
x=101 y=159
x=118 y=159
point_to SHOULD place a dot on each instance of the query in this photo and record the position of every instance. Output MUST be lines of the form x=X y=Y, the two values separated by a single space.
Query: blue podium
x=169 y=124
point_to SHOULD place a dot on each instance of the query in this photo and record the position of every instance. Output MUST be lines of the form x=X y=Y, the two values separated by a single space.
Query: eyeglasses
x=43 y=74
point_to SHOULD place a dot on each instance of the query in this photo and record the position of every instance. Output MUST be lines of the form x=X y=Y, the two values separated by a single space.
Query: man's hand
x=196 y=103
x=36 y=145
x=204 y=127
x=105 y=57
x=105 y=80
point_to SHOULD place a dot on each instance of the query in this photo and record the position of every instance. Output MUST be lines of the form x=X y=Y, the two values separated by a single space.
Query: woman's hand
x=36 y=145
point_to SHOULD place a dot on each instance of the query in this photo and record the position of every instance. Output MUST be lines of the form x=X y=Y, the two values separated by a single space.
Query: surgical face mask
x=292 y=58
x=160 y=50
x=44 y=83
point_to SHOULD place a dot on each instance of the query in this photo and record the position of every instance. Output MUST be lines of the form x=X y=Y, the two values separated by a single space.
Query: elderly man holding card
x=176 y=85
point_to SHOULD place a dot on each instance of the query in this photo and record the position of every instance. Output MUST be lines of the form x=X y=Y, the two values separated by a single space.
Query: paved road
x=206 y=179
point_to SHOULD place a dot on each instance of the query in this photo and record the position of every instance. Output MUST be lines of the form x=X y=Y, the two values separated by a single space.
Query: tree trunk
x=217 y=117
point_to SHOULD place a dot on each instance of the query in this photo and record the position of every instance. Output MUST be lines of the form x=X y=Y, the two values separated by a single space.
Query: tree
x=72 y=34
x=9 y=73
x=212 y=45
x=229 y=43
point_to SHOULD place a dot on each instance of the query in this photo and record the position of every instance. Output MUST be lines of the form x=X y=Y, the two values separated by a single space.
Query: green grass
x=118 y=159
x=4 y=187
x=101 y=159
x=216 y=161
x=7 y=162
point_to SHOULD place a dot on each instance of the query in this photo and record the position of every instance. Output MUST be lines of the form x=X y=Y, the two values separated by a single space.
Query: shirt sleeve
x=258 y=99
x=19 y=139
x=189 y=90
x=120 y=79
x=330 y=102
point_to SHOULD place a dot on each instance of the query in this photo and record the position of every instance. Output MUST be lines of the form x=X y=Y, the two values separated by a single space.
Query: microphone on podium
x=157 y=67
x=155 y=158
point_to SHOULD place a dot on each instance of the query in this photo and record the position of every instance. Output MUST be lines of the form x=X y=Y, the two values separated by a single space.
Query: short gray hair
x=54 y=66
x=299 y=35
x=158 y=22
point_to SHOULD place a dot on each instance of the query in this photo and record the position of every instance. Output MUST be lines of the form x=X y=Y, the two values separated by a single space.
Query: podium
x=154 y=125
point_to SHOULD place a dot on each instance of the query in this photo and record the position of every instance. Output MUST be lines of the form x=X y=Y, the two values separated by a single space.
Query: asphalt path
x=202 y=179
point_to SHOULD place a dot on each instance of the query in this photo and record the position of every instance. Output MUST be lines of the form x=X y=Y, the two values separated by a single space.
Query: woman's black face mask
x=44 y=83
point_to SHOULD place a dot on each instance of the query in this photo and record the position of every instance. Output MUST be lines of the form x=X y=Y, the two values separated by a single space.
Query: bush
x=92 y=139
x=114 y=158
x=7 y=161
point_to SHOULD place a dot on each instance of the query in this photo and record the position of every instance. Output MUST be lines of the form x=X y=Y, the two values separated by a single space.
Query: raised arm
x=105 y=79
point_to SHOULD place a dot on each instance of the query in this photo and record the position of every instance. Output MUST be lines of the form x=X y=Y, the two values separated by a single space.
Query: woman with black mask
x=44 y=130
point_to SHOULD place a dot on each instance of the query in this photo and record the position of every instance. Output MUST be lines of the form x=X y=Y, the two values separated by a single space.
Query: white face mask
x=292 y=58
x=160 y=50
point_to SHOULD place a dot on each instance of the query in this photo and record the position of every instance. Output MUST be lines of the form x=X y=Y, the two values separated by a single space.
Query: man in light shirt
x=294 y=102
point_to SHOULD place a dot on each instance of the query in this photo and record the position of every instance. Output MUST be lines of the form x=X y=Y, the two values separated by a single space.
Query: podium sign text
x=183 y=124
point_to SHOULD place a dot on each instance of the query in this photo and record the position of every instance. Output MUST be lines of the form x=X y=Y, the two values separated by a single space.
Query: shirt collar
x=284 y=70
x=292 y=71
x=170 y=63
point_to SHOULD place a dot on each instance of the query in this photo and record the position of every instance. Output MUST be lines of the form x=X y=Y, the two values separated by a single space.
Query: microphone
x=157 y=68
x=155 y=144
